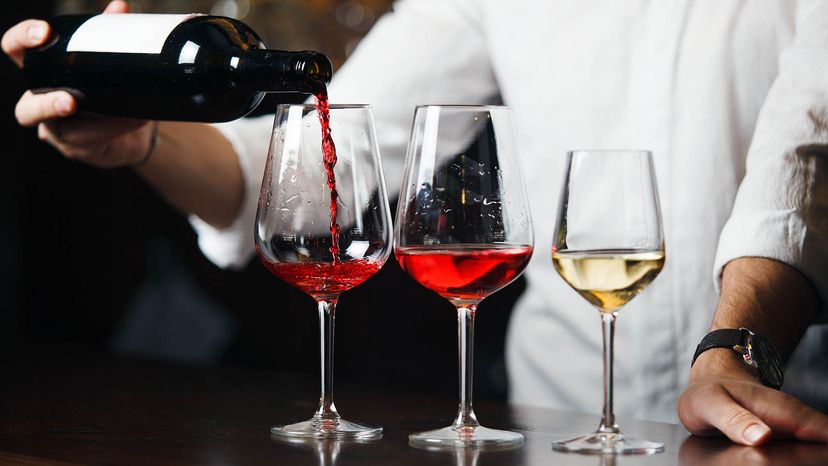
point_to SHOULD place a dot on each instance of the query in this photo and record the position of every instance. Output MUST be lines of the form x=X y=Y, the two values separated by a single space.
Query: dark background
x=94 y=260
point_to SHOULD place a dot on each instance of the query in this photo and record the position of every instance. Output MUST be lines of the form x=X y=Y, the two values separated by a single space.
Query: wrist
x=759 y=356
x=720 y=363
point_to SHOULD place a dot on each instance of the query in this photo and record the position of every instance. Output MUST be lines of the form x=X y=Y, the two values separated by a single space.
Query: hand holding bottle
x=194 y=167
x=102 y=142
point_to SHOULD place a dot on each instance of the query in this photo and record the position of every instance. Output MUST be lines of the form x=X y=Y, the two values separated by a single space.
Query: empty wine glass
x=463 y=230
x=608 y=246
x=324 y=226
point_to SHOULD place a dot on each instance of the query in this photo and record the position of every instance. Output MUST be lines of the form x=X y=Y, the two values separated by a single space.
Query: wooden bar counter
x=93 y=410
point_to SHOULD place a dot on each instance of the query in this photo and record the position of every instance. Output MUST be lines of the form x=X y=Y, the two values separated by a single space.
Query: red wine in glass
x=463 y=230
x=308 y=237
x=464 y=272
x=323 y=279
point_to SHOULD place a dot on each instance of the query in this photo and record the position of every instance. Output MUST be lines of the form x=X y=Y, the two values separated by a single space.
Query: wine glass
x=608 y=246
x=463 y=230
x=323 y=225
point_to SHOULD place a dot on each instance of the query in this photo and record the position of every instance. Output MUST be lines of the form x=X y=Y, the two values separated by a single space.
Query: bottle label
x=125 y=33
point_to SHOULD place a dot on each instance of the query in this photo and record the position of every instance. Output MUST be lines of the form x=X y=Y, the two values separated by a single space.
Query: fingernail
x=755 y=432
x=37 y=32
x=63 y=104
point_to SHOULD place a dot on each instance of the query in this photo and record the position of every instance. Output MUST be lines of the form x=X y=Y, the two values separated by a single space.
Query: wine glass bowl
x=323 y=225
x=463 y=230
x=608 y=246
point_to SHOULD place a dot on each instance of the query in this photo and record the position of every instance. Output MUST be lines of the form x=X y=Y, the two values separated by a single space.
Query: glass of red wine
x=324 y=226
x=463 y=230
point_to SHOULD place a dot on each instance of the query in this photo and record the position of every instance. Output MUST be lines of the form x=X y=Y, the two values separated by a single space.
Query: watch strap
x=721 y=338
x=756 y=350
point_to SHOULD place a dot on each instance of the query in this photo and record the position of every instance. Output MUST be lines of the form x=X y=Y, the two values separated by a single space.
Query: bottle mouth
x=277 y=70
x=317 y=68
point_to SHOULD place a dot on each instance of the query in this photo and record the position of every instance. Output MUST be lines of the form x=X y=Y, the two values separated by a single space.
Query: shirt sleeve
x=422 y=52
x=233 y=246
x=781 y=210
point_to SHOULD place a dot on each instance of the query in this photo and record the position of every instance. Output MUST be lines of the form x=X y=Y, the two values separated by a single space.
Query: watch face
x=766 y=359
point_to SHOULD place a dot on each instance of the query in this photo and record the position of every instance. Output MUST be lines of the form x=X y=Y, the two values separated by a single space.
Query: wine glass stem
x=327 y=311
x=608 y=326
x=465 y=351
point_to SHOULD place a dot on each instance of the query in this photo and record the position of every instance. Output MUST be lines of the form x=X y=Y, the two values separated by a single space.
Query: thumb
x=713 y=406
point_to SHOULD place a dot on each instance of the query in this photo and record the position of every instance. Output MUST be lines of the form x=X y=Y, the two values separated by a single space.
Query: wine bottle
x=168 y=67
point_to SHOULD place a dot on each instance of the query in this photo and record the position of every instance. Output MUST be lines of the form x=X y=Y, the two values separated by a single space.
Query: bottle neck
x=284 y=71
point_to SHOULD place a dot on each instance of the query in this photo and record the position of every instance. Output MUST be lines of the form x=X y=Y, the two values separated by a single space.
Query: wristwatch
x=757 y=351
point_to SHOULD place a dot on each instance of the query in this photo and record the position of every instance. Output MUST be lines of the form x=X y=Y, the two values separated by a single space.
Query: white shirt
x=731 y=97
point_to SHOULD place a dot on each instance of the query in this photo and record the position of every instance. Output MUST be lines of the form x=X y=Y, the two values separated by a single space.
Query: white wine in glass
x=609 y=279
x=608 y=246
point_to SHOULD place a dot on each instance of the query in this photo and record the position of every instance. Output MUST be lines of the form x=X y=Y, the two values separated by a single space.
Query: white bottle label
x=125 y=33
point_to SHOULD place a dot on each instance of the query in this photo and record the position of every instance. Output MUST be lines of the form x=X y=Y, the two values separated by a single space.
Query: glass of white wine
x=608 y=246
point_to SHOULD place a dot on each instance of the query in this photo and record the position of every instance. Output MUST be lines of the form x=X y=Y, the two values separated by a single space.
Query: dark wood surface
x=58 y=409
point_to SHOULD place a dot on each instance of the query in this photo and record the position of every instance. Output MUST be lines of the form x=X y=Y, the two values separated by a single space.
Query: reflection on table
x=58 y=409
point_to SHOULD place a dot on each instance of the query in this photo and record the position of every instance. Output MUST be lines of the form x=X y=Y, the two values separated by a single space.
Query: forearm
x=769 y=297
x=724 y=395
x=766 y=296
x=196 y=169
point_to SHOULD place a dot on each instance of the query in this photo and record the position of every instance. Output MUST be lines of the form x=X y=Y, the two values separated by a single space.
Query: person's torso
x=683 y=79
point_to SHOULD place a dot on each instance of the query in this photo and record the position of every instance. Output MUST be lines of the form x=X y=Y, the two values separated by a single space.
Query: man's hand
x=723 y=395
x=194 y=166
x=102 y=142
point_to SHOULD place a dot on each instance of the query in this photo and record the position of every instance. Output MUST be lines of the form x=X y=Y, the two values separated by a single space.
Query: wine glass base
x=465 y=436
x=608 y=442
x=316 y=428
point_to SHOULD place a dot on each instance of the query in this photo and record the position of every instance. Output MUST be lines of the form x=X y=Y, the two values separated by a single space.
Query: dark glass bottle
x=200 y=68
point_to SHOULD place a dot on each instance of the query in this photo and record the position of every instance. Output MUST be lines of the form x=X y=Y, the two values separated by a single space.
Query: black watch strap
x=722 y=338
x=756 y=351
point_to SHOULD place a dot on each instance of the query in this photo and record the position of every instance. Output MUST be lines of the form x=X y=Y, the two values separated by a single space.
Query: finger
x=32 y=108
x=24 y=35
x=46 y=134
x=92 y=131
x=787 y=416
x=50 y=132
x=110 y=143
x=713 y=406
x=117 y=6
